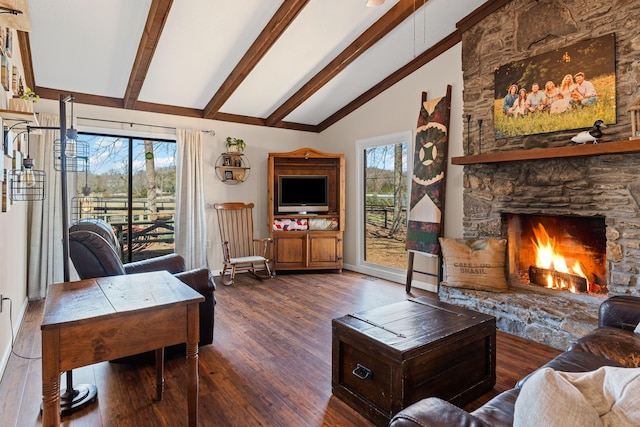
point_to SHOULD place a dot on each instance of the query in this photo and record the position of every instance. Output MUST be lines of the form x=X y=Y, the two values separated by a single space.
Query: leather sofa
x=94 y=250
x=613 y=343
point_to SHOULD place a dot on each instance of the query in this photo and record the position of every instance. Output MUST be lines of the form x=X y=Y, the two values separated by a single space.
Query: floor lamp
x=75 y=397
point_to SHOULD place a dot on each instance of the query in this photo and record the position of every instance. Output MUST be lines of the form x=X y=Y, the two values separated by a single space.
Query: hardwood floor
x=269 y=365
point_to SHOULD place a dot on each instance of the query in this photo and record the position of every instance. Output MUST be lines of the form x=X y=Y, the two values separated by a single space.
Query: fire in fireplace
x=558 y=252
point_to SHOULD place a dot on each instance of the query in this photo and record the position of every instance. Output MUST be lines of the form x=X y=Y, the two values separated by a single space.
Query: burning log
x=557 y=280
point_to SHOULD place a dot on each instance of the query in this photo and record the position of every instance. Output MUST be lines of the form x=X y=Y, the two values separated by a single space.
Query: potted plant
x=30 y=95
x=24 y=101
x=235 y=145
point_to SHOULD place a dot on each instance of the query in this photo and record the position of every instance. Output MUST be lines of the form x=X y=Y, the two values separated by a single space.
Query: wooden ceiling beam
x=417 y=63
x=27 y=64
x=280 y=21
x=430 y=54
x=390 y=20
x=157 y=17
x=173 y=110
x=79 y=98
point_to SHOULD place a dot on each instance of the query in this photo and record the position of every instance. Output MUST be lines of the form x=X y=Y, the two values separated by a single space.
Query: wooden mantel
x=617 y=147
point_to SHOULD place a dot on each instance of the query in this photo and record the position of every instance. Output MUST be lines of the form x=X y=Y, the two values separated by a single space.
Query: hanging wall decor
x=6 y=201
x=5 y=72
x=8 y=44
x=429 y=175
x=14 y=79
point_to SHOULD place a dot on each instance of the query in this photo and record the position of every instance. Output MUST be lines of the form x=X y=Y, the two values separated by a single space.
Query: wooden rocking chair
x=240 y=250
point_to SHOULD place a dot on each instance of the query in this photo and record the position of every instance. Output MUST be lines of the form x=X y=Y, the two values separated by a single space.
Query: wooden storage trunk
x=390 y=357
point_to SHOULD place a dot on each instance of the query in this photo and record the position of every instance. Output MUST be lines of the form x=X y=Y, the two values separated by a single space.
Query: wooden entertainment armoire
x=319 y=246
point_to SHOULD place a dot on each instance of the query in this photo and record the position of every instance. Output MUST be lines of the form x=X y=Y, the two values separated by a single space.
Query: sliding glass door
x=131 y=185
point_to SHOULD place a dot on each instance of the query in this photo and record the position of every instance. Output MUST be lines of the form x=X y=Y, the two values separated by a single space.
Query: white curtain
x=190 y=221
x=45 y=217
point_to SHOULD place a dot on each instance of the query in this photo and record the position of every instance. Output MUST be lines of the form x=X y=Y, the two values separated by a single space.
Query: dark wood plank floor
x=270 y=364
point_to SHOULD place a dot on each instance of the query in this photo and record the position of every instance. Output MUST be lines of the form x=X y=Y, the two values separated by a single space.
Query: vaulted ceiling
x=298 y=64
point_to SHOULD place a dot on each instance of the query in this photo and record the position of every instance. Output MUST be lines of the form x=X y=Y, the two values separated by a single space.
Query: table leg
x=50 y=378
x=159 y=373
x=193 y=334
x=192 y=361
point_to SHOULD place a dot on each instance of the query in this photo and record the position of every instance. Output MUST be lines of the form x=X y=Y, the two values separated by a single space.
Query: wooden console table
x=102 y=319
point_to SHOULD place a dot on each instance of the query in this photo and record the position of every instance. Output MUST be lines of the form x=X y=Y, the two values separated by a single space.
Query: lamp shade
x=27 y=184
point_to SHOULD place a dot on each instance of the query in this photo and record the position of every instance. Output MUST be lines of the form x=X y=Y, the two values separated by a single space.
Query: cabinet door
x=325 y=249
x=291 y=249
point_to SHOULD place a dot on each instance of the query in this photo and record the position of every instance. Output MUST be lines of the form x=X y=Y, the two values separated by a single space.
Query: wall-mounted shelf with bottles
x=232 y=168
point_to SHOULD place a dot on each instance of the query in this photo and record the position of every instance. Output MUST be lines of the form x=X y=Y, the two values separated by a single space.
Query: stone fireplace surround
x=607 y=186
x=603 y=185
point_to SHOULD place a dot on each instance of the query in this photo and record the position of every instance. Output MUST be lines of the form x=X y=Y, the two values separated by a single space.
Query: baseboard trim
x=7 y=351
x=392 y=276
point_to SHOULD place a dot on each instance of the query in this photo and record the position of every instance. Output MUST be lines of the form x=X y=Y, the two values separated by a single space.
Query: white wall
x=13 y=273
x=396 y=110
x=13 y=250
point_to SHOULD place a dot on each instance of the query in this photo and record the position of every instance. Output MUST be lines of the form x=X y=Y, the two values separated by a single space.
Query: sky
x=111 y=153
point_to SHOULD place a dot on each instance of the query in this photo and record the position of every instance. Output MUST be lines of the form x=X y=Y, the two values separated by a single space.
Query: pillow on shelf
x=608 y=396
x=475 y=264
x=290 y=224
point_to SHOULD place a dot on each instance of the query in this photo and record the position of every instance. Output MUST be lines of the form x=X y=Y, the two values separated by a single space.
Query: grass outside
x=382 y=248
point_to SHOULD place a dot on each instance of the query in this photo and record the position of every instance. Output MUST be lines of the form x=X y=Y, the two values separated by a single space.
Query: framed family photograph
x=568 y=88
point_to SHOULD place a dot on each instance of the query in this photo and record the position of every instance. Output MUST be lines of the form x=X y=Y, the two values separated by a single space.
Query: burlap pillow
x=475 y=264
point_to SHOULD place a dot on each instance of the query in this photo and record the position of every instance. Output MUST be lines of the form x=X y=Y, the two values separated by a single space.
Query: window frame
x=372 y=269
x=130 y=137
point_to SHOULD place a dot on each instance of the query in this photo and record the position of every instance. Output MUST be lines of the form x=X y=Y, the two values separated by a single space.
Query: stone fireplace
x=605 y=188
x=603 y=192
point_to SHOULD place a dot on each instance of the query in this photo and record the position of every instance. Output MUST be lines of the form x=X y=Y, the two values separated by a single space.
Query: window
x=382 y=204
x=131 y=184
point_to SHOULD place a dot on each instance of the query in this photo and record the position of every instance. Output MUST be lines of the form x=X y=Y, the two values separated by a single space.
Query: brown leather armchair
x=94 y=250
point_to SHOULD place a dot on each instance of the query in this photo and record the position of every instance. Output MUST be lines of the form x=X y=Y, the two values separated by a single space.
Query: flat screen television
x=303 y=193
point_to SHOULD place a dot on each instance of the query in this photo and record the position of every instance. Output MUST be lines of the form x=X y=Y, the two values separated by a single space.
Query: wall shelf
x=20 y=120
x=232 y=168
x=616 y=147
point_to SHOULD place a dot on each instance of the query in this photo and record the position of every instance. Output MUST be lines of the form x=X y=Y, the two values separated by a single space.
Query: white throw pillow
x=637 y=329
x=607 y=397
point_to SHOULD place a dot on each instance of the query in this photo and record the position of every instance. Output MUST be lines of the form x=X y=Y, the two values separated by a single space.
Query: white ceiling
x=89 y=47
